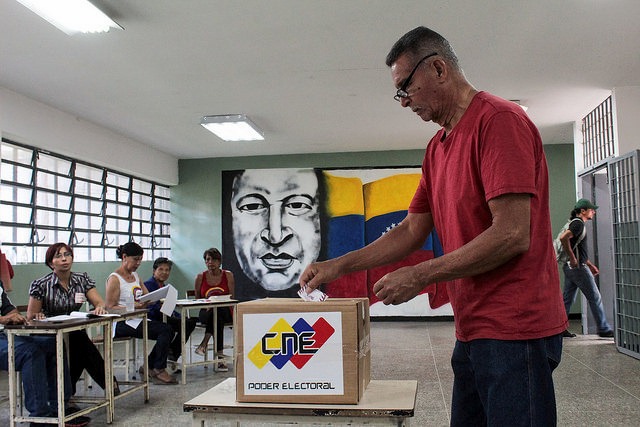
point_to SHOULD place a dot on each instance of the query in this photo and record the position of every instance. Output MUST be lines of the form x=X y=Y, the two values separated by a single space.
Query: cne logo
x=296 y=343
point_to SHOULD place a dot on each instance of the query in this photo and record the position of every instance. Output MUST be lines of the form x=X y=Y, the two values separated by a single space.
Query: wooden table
x=384 y=403
x=59 y=328
x=183 y=306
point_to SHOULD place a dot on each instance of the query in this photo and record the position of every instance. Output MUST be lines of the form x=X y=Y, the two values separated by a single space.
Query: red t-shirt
x=494 y=150
x=222 y=288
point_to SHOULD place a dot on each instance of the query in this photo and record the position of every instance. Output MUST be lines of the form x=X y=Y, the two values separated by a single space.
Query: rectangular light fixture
x=233 y=127
x=72 y=16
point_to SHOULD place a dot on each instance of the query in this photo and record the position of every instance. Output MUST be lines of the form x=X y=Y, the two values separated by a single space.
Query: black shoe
x=567 y=334
x=80 y=421
x=116 y=387
x=606 y=334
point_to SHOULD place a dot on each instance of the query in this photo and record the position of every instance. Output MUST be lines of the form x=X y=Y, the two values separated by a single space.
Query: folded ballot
x=168 y=293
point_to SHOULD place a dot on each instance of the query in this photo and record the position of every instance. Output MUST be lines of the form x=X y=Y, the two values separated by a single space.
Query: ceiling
x=310 y=73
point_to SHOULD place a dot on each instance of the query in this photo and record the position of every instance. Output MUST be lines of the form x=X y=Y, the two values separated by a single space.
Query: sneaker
x=606 y=334
x=200 y=351
x=567 y=334
x=173 y=368
x=222 y=366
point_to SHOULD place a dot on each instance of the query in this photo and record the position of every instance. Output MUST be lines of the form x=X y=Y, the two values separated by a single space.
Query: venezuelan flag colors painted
x=359 y=214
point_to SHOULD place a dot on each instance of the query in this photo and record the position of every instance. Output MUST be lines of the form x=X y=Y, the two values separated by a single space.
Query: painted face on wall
x=276 y=224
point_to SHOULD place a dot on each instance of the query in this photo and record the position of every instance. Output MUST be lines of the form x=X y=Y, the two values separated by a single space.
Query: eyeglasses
x=402 y=92
x=65 y=254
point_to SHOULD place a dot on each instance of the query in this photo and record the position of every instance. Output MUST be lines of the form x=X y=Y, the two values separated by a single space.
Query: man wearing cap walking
x=579 y=272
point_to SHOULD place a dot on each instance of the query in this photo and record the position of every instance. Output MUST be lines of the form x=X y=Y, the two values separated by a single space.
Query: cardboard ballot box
x=293 y=351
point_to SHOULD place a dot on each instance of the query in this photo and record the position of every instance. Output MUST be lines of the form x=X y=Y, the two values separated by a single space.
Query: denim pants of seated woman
x=158 y=331
x=35 y=357
x=505 y=383
x=582 y=278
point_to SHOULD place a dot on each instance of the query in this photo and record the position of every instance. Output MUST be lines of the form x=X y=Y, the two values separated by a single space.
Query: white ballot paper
x=315 y=295
x=170 y=295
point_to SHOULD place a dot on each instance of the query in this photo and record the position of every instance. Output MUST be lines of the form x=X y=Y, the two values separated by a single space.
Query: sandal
x=152 y=372
x=201 y=350
x=163 y=377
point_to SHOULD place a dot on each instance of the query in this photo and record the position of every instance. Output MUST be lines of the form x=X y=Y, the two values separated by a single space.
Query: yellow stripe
x=390 y=194
x=344 y=195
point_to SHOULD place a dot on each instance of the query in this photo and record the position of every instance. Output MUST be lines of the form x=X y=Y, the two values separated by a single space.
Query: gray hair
x=422 y=41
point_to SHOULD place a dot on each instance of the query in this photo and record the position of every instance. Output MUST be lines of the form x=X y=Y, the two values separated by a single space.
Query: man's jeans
x=505 y=383
x=582 y=278
x=36 y=360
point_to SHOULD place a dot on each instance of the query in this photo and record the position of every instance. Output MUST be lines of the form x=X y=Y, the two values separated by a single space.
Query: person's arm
x=96 y=300
x=13 y=318
x=507 y=236
x=231 y=281
x=393 y=246
x=565 y=239
x=113 y=293
x=593 y=268
x=138 y=304
x=34 y=309
x=197 y=284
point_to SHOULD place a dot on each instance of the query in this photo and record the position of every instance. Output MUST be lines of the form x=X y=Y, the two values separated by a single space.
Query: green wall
x=196 y=210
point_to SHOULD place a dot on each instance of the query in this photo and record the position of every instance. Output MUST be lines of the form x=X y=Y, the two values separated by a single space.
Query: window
x=597 y=134
x=47 y=198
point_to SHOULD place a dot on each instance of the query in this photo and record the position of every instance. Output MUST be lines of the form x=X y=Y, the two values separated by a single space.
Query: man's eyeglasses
x=402 y=92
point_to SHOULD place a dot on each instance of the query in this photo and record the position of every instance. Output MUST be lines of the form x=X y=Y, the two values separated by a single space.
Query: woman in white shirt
x=124 y=287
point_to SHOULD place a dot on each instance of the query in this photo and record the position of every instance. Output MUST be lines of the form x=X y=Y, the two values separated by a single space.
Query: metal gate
x=625 y=205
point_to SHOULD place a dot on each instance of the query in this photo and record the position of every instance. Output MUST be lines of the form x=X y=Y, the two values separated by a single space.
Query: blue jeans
x=505 y=383
x=158 y=331
x=36 y=358
x=582 y=278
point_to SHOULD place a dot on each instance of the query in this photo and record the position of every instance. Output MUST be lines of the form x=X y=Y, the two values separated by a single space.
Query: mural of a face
x=276 y=224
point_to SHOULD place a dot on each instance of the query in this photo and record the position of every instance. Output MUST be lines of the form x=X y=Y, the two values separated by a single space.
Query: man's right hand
x=318 y=273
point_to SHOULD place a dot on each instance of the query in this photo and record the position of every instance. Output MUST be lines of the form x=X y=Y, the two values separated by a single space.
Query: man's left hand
x=398 y=286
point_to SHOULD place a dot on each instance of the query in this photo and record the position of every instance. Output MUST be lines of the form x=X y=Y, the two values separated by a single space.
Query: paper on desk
x=315 y=295
x=75 y=315
x=170 y=295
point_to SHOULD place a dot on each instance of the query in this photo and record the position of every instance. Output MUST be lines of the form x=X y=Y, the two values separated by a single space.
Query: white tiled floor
x=595 y=384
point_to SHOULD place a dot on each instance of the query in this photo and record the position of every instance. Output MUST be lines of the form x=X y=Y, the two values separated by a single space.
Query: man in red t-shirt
x=484 y=188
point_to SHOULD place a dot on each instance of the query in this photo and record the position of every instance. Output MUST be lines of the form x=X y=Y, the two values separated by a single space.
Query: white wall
x=626 y=101
x=33 y=123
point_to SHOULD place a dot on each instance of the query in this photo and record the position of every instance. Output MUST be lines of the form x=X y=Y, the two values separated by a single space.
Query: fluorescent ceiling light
x=72 y=16
x=234 y=127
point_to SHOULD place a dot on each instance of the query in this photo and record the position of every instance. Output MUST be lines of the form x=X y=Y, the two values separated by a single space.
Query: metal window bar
x=597 y=134
x=625 y=198
x=145 y=225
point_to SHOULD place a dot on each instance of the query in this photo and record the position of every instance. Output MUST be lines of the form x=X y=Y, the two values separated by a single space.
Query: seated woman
x=35 y=357
x=124 y=284
x=214 y=281
x=61 y=292
x=161 y=271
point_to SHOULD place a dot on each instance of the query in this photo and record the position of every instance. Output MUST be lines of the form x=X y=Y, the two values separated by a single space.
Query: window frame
x=71 y=205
